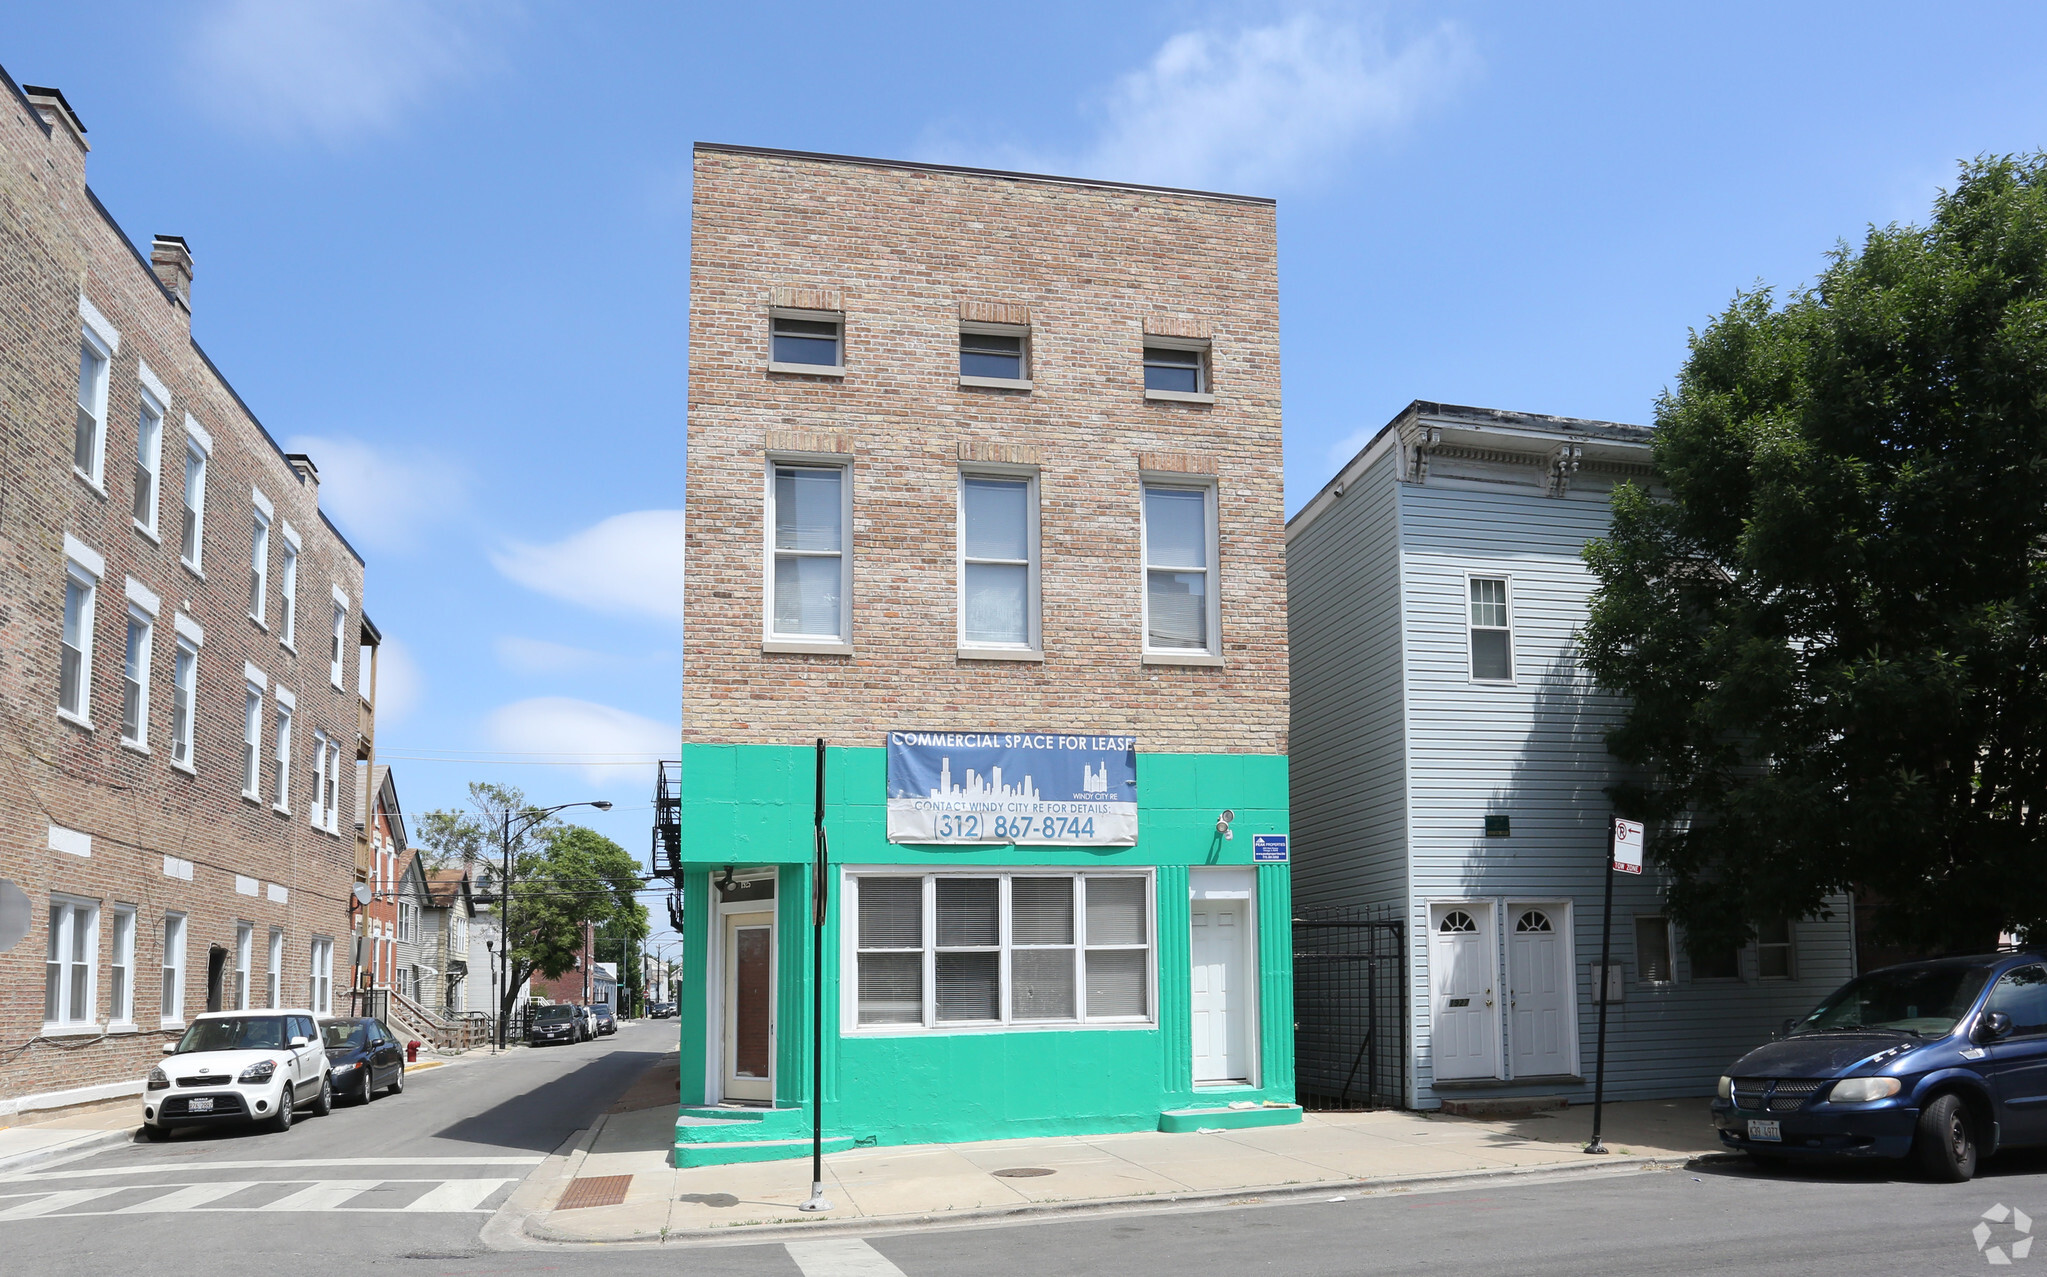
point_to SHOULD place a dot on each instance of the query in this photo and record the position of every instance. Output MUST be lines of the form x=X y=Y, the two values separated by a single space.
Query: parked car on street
x=557 y=1023
x=659 y=1010
x=1944 y=1062
x=238 y=1066
x=588 y=1019
x=607 y=1019
x=363 y=1057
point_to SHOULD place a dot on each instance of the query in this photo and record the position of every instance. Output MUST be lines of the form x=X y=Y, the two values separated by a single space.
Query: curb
x=1275 y=1195
x=535 y=1195
x=96 y=1140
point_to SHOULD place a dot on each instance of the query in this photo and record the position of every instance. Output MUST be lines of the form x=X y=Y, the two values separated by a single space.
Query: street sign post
x=1624 y=854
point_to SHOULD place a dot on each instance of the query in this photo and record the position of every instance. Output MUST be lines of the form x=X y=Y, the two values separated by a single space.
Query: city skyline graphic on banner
x=1093 y=780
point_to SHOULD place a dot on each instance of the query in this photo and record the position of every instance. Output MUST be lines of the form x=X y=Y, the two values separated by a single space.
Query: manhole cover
x=1023 y=1172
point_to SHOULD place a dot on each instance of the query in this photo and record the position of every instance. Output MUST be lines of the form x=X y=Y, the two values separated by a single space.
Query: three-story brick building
x=984 y=491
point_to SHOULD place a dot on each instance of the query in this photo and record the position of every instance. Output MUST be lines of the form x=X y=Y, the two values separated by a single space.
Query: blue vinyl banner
x=1043 y=789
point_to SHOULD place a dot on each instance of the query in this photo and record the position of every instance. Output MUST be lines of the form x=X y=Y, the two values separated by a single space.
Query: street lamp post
x=527 y=820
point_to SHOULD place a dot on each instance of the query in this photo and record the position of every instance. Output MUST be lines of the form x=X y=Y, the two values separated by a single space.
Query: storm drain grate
x=595 y=1190
x=1022 y=1172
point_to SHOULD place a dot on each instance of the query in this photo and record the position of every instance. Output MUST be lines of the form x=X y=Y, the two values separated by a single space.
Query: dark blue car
x=1944 y=1062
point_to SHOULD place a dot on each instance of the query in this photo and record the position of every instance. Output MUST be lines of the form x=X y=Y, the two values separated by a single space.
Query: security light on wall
x=1222 y=823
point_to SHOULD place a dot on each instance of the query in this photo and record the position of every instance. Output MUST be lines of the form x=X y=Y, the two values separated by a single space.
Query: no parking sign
x=1627 y=846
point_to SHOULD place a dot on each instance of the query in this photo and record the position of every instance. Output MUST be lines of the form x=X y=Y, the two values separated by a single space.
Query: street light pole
x=529 y=819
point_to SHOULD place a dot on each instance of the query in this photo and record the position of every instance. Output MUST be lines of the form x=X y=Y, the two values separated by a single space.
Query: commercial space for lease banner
x=1030 y=788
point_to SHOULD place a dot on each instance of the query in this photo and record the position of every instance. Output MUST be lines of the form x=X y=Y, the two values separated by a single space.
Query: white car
x=239 y=1066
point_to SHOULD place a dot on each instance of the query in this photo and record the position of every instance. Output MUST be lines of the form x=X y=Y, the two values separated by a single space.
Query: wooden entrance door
x=749 y=1053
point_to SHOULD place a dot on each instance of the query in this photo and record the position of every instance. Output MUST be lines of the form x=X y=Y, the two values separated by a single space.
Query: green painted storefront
x=750 y=807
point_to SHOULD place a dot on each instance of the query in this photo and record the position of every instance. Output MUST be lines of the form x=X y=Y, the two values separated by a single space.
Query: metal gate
x=1350 y=1008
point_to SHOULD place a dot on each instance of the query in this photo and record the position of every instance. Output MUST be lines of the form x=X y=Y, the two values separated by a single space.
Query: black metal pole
x=505 y=930
x=817 y=1200
x=1602 y=988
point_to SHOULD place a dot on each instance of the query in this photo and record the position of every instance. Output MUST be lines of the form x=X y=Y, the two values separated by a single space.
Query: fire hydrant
x=412 y=1051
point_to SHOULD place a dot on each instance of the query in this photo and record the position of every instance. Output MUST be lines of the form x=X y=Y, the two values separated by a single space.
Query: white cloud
x=1252 y=109
x=629 y=563
x=538 y=656
x=383 y=499
x=400 y=684
x=333 y=69
x=618 y=748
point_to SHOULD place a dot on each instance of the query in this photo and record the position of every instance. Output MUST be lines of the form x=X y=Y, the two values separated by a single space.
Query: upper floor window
x=336 y=640
x=184 y=688
x=88 y=441
x=1776 y=951
x=259 y=565
x=1176 y=369
x=811 y=571
x=191 y=527
x=135 y=677
x=280 y=774
x=148 y=462
x=288 y=588
x=252 y=739
x=998 y=561
x=1492 y=634
x=994 y=353
x=1181 y=613
x=807 y=341
x=72 y=954
x=1652 y=949
x=74 y=659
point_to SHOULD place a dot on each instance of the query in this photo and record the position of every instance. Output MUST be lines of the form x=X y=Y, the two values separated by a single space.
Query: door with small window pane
x=1463 y=1036
x=749 y=996
x=1542 y=1022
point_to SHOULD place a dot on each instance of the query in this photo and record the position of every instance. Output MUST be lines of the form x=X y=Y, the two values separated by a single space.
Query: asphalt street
x=406 y=1184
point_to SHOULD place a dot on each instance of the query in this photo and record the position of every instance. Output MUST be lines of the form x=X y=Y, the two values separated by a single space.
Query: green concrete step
x=724 y=1154
x=705 y=1124
x=1181 y=1121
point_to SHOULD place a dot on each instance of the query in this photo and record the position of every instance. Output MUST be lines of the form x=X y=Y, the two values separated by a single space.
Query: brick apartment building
x=179 y=653
x=984 y=481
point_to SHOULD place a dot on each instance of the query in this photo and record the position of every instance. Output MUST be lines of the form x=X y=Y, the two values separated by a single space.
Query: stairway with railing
x=450 y=1032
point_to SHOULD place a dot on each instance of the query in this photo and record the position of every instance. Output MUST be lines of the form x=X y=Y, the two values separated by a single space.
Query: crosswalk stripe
x=326 y=1195
x=187 y=1197
x=850 y=1257
x=458 y=1195
x=168 y=1168
x=56 y=1202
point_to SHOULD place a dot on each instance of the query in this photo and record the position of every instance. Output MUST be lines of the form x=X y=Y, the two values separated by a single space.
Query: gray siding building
x=1449 y=767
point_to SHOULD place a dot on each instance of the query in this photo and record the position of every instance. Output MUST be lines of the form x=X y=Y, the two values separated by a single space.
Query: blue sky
x=444 y=246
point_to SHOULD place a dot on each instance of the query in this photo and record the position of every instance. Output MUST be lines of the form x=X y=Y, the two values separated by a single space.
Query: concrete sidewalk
x=624 y=1160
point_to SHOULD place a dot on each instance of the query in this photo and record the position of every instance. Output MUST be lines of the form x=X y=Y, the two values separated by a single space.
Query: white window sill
x=149 y=532
x=336 y=684
x=1177 y=396
x=1183 y=658
x=89 y=481
x=999 y=654
x=124 y=1026
x=249 y=797
x=257 y=621
x=171 y=1023
x=984 y=1026
x=995 y=383
x=288 y=646
x=1491 y=682
x=192 y=567
x=807 y=647
x=807 y=370
x=281 y=809
x=135 y=746
x=75 y=720
x=91 y=1029
x=186 y=768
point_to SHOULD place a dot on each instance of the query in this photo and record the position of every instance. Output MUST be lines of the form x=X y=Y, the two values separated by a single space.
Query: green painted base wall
x=751 y=805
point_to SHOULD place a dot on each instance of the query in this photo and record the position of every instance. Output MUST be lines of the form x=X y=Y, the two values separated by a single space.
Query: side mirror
x=1993 y=1025
x=297 y=1042
x=1784 y=1029
x=170 y=1048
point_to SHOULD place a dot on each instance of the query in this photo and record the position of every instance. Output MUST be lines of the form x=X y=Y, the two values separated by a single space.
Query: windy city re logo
x=2003 y=1234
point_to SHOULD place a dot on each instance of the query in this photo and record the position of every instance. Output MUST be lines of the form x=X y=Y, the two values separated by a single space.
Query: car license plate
x=204 y=1104
x=1769 y=1131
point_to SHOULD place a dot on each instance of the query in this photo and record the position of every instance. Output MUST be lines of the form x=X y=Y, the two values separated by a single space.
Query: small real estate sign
x=1627 y=846
x=1268 y=849
x=1032 y=788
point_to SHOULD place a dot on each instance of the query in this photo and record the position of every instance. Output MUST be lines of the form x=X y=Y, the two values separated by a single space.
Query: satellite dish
x=362 y=893
x=14 y=915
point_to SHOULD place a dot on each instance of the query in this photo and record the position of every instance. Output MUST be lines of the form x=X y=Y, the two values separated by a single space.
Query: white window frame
x=1204 y=391
x=288 y=588
x=86 y=567
x=274 y=980
x=104 y=345
x=185 y=693
x=317 y=809
x=1670 y=947
x=121 y=991
x=245 y=958
x=337 y=651
x=135 y=669
x=252 y=736
x=970 y=328
x=771 y=641
x=61 y=964
x=849 y=954
x=334 y=785
x=172 y=1008
x=281 y=717
x=199 y=449
x=1211 y=512
x=1789 y=945
x=149 y=428
x=259 y=563
x=320 y=975
x=814 y=316
x=1471 y=629
x=1033 y=646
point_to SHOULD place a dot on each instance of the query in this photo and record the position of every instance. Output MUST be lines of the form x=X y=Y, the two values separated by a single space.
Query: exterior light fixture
x=1222 y=824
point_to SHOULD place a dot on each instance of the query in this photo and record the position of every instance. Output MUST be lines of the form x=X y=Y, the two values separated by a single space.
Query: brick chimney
x=58 y=112
x=309 y=474
x=173 y=264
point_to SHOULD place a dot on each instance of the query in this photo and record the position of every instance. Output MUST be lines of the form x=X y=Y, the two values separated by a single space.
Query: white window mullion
x=930 y=900
x=1002 y=941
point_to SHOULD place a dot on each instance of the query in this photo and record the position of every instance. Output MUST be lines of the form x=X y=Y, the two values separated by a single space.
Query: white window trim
x=106 y=343
x=147 y=617
x=1471 y=652
x=1206 y=347
x=337 y=652
x=815 y=644
x=821 y=316
x=849 y=951
x=1790 y=947
x=185 y=644
x=245 y=958
x=84 y=564
x=287 y=588
x=281 y=719
x=1150 y=655
x=174 y=960
x=334 y=786
x=253 y=689
x=102 y=327
x=90 y=1022
x=1024 y=382
x=1670 y=950
x=320 y=975
x=117 y=1022
x=199 y=442
x=318 y=812
x=259 y=564
x=1033 y=647
x=155 y=403
x=273 y=981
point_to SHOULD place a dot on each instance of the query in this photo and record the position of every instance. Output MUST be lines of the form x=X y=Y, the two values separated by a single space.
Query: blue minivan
x=1944 y=1062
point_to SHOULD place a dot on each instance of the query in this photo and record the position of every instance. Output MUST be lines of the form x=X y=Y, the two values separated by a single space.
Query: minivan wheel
x=1945 y=1145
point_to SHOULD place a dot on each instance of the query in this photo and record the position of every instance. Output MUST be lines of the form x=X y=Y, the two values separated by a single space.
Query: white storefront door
x=1222 y=1000
x=1463 y=1018
x=749 y=1029
x=1541 y=1006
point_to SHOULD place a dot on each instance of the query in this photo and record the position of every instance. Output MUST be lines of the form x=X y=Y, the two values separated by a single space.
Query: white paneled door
x=1541 y=1009
x=1463 y=1011
x=1222 y=999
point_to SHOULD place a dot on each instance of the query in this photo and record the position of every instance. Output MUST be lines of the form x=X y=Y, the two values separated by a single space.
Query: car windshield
x=342 y=1033
x=1925 y=1001
x=556 y=1013
x=235 y=1033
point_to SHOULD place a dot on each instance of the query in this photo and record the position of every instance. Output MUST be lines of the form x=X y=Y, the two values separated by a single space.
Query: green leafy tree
x=1829 y=621
x=568 y=878
x=449 y=837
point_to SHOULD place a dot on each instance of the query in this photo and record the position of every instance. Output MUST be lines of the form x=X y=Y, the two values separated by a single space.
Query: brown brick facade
x=161 y=839
x=907 y=253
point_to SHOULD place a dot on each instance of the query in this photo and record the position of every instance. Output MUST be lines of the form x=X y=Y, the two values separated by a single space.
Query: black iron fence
x=1350 y=1008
